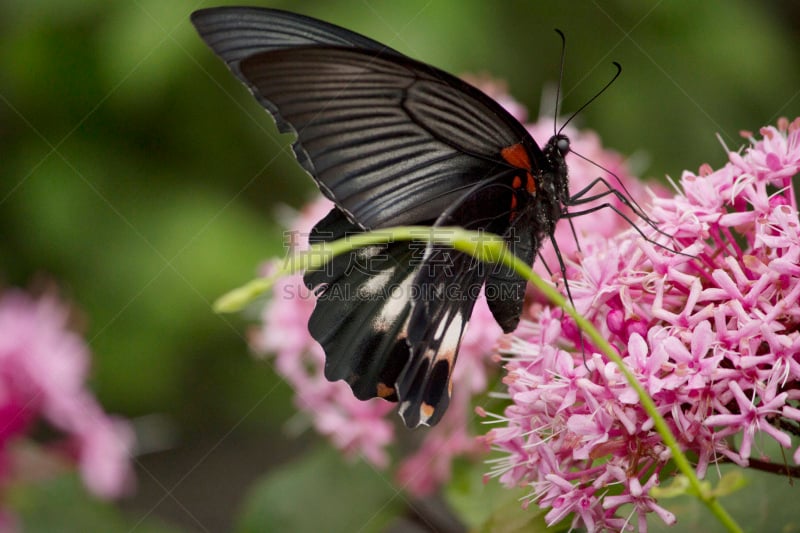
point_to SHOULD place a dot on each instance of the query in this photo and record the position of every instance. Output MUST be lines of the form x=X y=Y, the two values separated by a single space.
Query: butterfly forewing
x=235 y=33
x=368 y=131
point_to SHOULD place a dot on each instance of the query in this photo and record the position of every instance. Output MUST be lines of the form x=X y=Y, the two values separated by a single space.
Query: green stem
x=319 y=254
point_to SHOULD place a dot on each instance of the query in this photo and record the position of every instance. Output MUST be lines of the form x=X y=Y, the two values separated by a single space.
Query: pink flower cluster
x=712 y=334
x=43 y=370
x=367 y=429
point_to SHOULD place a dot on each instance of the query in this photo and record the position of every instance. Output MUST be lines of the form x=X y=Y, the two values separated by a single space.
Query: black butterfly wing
x=446 y=288
x=361 y=310
x=235 y=33
x=389 y=140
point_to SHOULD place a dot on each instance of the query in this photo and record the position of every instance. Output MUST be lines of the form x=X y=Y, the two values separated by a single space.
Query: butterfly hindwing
x=446 y=287
x=390 y=318
x=505 y=288
x=361 y=310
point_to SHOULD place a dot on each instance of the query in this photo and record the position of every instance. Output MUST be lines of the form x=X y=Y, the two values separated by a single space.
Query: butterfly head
x=561 y=143
x=555 y=177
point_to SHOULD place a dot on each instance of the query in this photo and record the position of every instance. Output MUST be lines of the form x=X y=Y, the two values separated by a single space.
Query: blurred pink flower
x=9 y=522
x=43 y=369
x=713 y=335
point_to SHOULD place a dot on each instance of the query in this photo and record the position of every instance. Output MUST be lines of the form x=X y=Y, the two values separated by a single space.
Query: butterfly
x=393 y=141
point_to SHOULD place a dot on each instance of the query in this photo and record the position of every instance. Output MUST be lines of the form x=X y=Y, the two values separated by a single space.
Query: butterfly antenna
x=560 y=79
x=593 y=98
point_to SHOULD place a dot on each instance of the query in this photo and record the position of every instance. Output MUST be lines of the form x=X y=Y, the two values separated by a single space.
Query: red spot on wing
x=530 y=185
x=516 y=155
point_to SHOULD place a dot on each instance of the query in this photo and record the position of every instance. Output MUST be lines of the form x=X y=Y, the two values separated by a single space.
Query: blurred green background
x=140 y=176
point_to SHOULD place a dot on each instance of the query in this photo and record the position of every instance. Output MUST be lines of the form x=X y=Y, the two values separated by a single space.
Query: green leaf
x=767 y=503
x=730 y=483
x=62 y=504
x=321 y=492
x=512 y=517
x=679 y=486
x=490 y=507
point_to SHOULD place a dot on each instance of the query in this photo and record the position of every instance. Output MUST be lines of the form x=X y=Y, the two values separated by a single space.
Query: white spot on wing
x=449 y=336
x=395 y=304
x=375 y=284
x=403 y=408
x=370 y=251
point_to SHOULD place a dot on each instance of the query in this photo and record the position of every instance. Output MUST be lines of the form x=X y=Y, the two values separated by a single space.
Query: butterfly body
x=393 y=141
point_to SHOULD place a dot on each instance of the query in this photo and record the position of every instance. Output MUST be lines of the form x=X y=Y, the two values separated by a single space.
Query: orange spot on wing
x=426 y=410
x=384 y=391
x=516 y=155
